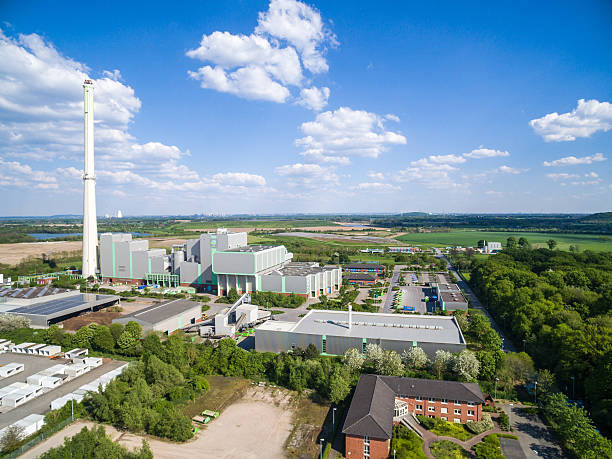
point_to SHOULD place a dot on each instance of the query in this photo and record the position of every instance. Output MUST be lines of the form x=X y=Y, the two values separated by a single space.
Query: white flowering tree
x=353 y=360
x=415 y=358
x=466 y=365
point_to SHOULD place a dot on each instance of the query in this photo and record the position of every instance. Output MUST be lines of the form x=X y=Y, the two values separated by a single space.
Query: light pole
x=393 y=454
x=502 y=345
x=333 y=418
x=72 y=408
x=495 y=396
x=524 y=345
x=535 y=393
x=321 y=447
x=573 y=393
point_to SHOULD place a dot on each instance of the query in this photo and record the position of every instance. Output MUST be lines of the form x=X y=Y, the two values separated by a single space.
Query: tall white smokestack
x=90 y=224
x=350 y=319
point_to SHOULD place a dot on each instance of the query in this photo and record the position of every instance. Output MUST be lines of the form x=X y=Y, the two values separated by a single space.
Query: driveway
x=388 y=304
x=535 y=438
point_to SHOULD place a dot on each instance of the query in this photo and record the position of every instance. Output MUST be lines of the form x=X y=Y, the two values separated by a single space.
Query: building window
x=444 y=410
x=419 y=407
x=431 y=409
x=431 y=399
x=470 y=412
x=418 y=399
x=444 y=401
x=470 y=404
x=324 y=345
x=444 y=418
x=366 y=440
x=366 y=450
x=457 y=421
x=457 y=411
x=457 y=402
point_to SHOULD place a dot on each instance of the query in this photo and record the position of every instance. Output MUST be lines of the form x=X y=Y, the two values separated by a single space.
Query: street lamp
x=502 y=344
x=72 y=408
x=535 y=393
x=510 y=418
x=495 y=396
x=524 y=345
x=573 y=393
x=333 y=418
x=393 y=454
x=321 y=447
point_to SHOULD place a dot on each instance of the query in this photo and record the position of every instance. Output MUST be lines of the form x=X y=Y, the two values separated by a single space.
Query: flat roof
x=251 y=248
x=301 y=269
x=445 y=287
x=160 y=312
x=61 y=307
x=31 y=292
x=277 y=325
x=401 y=327
x=450 y=297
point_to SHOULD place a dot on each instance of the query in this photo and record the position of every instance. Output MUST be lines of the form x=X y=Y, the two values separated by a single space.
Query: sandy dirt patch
x=162 y=242
x=12 y=254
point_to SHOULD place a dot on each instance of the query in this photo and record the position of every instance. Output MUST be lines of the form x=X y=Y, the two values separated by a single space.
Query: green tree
x=103 y=339
x=443 y=361
x=311 y=352
x=134 y=329
x=126 y=340
x=466 y=365
x=523 y=243
x=551 y=244
x=11 y=439
x=82 y=338
x=53 y=334
x=116 y=330
x=339 y=387
x=415 y=358
x=511 y=243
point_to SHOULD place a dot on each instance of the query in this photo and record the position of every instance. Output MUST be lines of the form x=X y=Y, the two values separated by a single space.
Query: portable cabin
x=11 y=369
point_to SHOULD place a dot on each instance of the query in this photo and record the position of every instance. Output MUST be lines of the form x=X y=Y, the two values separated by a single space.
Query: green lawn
x=468 y=238
x=406 y=444
x=445 y=449
x=444 y=428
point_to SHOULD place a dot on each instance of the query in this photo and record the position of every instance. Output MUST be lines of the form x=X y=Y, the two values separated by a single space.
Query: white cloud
x=314 y=98
x=392 y=117
x=494 y=193
x=447 y=159
x=485 y=153
x=562 y=176
x=573 y=160
x=346 y=132
x=508 y=170
x=377 y=187
x=265 y=64
x=311 y=175
x=586 y=119
x=592 y=174
x=376 y=175
x=302 y=27
x=41 y=119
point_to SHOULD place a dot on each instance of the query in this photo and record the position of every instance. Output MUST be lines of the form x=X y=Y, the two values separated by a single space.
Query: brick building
x=359 y=279
x=366 y=268
x=380 y=402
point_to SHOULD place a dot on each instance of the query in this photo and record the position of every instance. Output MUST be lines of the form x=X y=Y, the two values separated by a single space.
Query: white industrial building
x=165 y=317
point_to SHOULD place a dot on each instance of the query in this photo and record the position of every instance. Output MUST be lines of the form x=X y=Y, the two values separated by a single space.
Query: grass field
x=467 y=238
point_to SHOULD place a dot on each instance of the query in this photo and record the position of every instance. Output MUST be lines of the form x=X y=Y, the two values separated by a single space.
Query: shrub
x=489 y=409
x=504 y=421
x=426 y=422
x=478 y=427
x=488 y=448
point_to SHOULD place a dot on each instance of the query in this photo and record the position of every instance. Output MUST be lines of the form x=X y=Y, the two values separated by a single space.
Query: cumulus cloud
x=376 y=175
x=41 y=120
x=573 y=160
x=264 y=65
x=429 y=174
x=314 y=98
x=485 y=153
x=310 y=175
x=587 y=118
x=562 y=176
x=508 y=170
x=344 y=133
x=377 y=187
x=447 y=159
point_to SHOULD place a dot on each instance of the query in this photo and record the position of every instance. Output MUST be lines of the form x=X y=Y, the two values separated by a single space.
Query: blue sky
x=282 y=106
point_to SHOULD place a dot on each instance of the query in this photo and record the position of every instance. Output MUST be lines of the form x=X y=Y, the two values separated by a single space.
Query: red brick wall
x=450 y=408
x=379 y=449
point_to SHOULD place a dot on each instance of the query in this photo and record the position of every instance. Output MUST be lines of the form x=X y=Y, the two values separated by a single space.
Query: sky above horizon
x=308 y=107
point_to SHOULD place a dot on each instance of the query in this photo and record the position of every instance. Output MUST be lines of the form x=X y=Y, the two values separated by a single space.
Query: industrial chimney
x=90 y=225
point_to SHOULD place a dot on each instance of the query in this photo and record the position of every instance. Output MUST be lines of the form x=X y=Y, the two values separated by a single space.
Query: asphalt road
x=507 y=345
x=388 y=306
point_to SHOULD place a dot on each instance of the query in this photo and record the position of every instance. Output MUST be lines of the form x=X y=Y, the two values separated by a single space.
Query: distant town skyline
x=287 y=107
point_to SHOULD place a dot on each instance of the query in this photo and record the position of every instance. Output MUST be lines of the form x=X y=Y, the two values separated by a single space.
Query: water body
x=43 y=236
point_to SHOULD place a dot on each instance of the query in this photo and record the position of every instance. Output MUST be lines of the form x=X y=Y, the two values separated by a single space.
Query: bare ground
x=12 y=254
x=104 y=316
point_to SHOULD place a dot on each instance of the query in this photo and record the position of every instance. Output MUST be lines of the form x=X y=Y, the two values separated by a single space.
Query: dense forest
x=558 y=305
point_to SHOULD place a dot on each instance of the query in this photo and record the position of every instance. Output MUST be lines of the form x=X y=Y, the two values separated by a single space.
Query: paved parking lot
x=414 y=296
x=41 y=404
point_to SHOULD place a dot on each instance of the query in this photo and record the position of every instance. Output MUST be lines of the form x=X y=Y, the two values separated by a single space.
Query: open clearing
x=12 y=254
x=255 y=422
x=467 y=238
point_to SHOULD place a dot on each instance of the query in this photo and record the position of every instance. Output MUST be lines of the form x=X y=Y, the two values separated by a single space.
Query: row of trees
x=559 y=306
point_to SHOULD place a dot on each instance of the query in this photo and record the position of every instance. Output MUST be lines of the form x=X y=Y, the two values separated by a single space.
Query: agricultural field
x=467 y=238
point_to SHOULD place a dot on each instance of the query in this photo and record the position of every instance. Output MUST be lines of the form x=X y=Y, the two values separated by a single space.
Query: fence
x=37 y=439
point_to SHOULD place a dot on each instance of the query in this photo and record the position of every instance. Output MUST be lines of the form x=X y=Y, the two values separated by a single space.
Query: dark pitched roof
x=371 y=410
x=359 y=277
x=364 y=266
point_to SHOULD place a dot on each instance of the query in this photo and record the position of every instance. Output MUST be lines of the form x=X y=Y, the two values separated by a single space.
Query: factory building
x=123 y=260
x=214 y=262
x=380 y=402
x=166 y=317
x=359 y=279
x=492 y=247
x=333 y=332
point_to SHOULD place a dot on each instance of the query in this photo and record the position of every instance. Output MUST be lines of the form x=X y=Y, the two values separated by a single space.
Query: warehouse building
x=379 y=402
x=366 y=268
x=49 y=310
x=333 y=332
x=166 y=317
x=404 y=249
x=28 y=296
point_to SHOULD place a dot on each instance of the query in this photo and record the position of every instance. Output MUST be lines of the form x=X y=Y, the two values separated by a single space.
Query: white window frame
x=457 y=402
x=431 y=399
x=457 y=421
x=444 y=410
x=418 y=399
x=458 y=411
x=471 y=413
x=431 y=409
x=419 y=407
x=470 y=404
x=444 y=401
x=366 y=440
